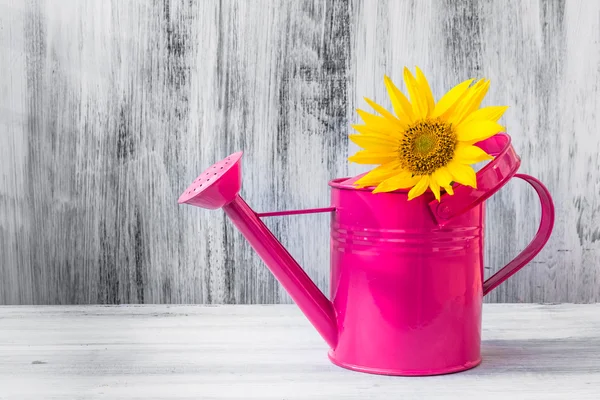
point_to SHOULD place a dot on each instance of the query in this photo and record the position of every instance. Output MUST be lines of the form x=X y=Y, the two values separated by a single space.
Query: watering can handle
x=490 y=179
x=536 y=244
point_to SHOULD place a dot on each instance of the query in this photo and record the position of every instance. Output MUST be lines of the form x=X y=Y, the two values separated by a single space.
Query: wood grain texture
x=109 y=109
x=271 y=352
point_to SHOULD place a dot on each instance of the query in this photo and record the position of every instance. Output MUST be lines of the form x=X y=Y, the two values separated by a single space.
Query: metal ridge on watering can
x=407 y=280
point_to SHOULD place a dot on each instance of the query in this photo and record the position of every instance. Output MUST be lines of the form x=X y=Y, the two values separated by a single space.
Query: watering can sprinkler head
x=219 y=186
x=216 y=186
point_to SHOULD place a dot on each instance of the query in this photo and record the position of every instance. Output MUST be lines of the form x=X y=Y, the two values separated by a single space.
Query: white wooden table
x=271 y=352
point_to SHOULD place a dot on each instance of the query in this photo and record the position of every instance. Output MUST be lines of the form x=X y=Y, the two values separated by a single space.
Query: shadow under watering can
x=407 y=280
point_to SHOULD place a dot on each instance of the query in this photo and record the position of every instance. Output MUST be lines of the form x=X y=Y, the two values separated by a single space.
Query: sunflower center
x=427 y=146
x=424 y=144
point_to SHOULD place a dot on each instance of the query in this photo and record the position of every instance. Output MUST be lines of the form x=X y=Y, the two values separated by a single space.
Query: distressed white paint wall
x=109 y=109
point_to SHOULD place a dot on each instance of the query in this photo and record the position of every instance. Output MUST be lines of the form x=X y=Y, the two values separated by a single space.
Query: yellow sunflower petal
x=476 y=131
x=469 y=154
x=444 y=179
x=372 y=157
x=470 y=102
x=417 y=99
x=374 y=142
x=442 y=176
x=386 y=114
x=399 y=181
x=380 y=124
x=379 y=174
x=401 y=105
x=425 y=90
x=464 y=101
x=435 y=188
x=371 y=119
x=376 y=180
x=389 y=166
x=419 y=188
x=369 y=131
x=449 y=99
x=492 y=113
x=463 y=174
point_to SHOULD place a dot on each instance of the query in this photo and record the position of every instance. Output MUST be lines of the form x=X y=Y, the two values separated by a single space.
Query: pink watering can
x=406 y=276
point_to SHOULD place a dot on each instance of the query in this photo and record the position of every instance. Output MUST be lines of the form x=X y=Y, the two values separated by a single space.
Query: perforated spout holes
x=215 y=186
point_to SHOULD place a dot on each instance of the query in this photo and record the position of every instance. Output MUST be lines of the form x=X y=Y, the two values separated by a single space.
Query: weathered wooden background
x=109 y=109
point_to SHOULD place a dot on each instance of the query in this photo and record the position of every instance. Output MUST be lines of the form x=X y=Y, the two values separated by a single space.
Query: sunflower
x=425 y=144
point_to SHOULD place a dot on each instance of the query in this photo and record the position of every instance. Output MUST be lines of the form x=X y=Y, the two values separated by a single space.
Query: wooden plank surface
x=271 y=352
x=109 y=109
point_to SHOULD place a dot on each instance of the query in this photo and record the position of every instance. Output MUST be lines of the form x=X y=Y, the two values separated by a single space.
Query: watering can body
x=407 y=277
x=407 y=293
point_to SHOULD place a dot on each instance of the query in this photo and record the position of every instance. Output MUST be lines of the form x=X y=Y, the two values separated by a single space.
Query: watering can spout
x=219 y=186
